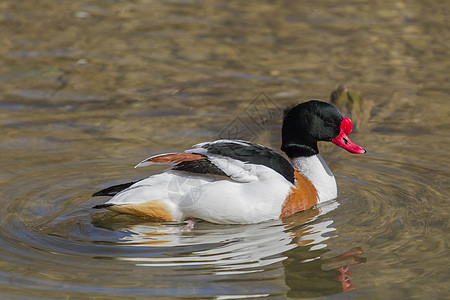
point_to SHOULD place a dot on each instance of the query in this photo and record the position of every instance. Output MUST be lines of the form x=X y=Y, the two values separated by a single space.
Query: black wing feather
x=200 y=166
x=254 y=154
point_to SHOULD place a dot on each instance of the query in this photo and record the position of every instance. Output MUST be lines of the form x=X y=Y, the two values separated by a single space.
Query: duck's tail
x=113 y=190
x=105 y=205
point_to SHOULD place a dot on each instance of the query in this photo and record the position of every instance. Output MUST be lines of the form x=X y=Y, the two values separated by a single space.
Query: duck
x=240 y=182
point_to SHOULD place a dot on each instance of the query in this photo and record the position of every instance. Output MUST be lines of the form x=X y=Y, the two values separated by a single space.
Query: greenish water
x=90 y=88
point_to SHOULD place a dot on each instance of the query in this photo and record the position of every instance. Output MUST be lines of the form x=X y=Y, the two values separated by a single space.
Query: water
x=88 y=89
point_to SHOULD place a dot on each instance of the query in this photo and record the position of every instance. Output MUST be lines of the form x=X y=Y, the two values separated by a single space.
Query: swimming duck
x=238 y=182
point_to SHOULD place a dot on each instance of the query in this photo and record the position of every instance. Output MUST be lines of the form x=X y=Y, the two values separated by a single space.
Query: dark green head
x=313 y=121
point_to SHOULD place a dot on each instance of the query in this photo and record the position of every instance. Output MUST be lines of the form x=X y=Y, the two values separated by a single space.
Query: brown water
x=90 y=88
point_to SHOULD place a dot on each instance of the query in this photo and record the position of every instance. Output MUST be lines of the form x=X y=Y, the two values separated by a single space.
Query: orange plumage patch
x=175 y=158
x=302 y=197
x=154 y=210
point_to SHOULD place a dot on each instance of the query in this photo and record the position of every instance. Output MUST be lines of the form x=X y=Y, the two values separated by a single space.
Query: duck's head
x=313 y=121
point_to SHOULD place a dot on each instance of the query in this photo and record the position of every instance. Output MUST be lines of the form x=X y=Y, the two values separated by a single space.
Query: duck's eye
x=328 y=121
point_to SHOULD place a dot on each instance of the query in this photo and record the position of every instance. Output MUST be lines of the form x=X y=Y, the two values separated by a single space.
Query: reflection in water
x=231 y=250
x=345 y=261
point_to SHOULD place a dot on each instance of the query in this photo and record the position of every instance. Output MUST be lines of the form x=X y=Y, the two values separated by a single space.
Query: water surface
x=88 y=89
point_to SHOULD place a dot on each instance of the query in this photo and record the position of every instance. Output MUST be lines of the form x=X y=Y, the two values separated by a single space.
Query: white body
x=252 y=194
x=222 y=201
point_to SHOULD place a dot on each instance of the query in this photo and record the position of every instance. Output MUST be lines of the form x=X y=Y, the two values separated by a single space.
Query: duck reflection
x=291 y=255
